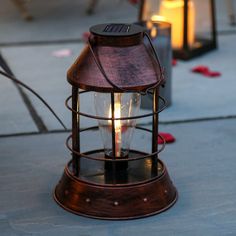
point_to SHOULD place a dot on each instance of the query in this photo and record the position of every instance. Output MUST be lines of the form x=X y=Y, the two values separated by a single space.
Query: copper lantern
x=115 y=181
x=193 y=24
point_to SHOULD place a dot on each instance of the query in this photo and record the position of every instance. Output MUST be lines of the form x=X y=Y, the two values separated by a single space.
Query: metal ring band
x=121 y=118
x=102 y=150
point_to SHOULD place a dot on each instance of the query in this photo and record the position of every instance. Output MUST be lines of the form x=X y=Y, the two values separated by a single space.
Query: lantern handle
x=11 y=77
x=156 y=59
x=100 y=67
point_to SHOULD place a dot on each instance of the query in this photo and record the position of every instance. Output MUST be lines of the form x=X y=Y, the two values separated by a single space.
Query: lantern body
x=115 y=181
x=193 y=24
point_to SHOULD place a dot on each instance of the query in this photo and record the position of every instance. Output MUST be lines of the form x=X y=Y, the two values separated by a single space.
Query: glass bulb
x=125 y=105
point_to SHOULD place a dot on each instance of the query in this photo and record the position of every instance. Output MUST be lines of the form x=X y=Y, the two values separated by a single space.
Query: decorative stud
x=116 y=203
x=145 y=199
x=88 y=200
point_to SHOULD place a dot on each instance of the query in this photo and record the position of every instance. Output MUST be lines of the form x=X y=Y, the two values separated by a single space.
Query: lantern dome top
x=115 y=59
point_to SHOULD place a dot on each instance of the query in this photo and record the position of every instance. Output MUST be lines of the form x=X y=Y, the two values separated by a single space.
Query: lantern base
x=116 y=201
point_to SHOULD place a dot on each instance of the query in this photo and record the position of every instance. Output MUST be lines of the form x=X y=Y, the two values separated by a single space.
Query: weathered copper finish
x=134 y=62
x=115 y=60
x=155 y=131
x=76 y=135
x=116 y=201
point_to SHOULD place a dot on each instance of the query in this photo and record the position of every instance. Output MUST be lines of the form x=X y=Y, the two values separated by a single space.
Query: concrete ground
x=202 y=118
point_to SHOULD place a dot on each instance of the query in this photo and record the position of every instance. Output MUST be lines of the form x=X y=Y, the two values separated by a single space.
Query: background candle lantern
x=193 y=24
x=116 y=181
x=173 y=12
x=160 y=34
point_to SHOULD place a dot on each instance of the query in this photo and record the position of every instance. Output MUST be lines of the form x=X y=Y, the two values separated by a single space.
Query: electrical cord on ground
x=12 y=78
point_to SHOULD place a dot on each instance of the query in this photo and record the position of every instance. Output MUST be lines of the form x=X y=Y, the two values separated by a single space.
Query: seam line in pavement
x=226 y=32
x=35 y=116
x=162 y=123
x=38 y=43
x=204 y=119
x=78 y=40
x=34 y=133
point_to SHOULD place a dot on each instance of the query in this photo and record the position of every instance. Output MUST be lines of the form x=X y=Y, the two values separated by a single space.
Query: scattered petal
x=204 y=70
x=200 y=69
x=174 y=62
x=169 y=138
x=212 y=74
x=62 y=53
x=134 y=2
x=85 y=36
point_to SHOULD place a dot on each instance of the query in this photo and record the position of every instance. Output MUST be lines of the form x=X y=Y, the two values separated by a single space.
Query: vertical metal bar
x=185 y=36
x=75 y=131
x=213 y=19
x=155 y=131
x=141 y=9
x=113 y=126
x=113 y=136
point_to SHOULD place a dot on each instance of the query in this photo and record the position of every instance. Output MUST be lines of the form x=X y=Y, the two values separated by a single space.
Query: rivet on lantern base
x=123 y=201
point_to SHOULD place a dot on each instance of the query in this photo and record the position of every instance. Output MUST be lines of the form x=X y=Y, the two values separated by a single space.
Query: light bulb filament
x=117 y=124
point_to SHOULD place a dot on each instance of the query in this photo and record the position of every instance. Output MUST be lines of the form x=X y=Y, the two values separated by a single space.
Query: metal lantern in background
x=115 y=181
x=193 y=24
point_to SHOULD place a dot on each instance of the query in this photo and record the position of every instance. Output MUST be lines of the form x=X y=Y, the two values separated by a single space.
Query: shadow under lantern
x=115 y=182
x=193 y=24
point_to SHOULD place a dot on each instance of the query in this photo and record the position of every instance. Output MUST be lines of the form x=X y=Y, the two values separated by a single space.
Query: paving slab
x=59 y=20
x=14 y=115
x=201 y=164
x=194 y=96
x=46 y=74
x=222 y=17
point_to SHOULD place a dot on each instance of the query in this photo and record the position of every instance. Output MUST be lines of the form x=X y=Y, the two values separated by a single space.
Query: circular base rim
x=116 y=218
x=73 y=202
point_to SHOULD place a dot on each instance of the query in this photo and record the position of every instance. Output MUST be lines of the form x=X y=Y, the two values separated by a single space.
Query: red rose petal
x=85 y=36
x=134 y=1
x=174 y=62
x=212 y=74
x=169 y=138
x=200 y=69
x=204 y=70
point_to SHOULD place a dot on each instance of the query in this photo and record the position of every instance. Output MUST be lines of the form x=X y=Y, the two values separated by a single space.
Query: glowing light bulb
x=125 y=105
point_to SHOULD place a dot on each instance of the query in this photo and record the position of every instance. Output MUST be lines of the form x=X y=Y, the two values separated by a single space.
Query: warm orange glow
x=153 y=32
x=118 y=133
x=153 y=29
x=156 y=18
x=173 y=12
